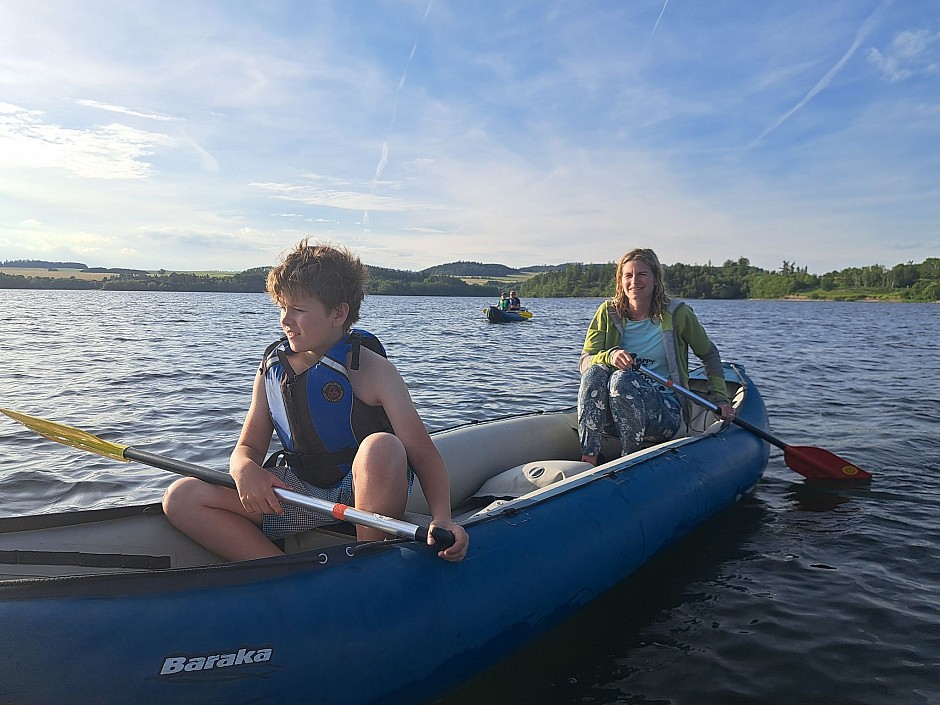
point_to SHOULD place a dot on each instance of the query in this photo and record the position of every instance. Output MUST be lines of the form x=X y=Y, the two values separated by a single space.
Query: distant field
x=201 y=273
x=55 y=274
x=502 y=280
x=91 y=276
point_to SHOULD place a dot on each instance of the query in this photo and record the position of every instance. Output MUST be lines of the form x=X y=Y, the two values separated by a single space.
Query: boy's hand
x=461 y=541
x=256 y=489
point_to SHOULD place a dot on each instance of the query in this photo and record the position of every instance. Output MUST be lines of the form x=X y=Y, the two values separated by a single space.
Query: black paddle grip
x=443 y=538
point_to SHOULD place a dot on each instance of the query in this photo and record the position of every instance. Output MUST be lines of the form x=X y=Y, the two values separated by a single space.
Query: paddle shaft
x=713 y=407
x=443 y=538
x=76 y=438
x=812 y=463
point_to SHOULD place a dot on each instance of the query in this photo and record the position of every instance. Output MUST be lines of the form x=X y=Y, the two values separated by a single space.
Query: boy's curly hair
x=330 y=272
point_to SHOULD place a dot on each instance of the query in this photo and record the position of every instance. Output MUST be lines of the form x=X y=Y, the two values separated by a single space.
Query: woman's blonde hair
x=660 y=299
x=330 y=272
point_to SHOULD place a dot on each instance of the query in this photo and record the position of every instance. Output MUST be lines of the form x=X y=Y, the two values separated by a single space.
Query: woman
x=641 y=326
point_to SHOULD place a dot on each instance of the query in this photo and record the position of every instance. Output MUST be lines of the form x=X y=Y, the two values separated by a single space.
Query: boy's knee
x=382 y=444
x=381 y=454
x=181 y=493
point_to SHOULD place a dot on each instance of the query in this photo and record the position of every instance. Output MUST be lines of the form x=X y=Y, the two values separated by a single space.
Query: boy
x=342 y=412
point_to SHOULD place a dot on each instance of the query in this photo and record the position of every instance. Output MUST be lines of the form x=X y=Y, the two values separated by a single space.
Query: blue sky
x=214 y=135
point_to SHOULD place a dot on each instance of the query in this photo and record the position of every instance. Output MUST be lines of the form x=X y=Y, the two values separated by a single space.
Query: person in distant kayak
x=514 y=303
x=503 y=304
x=641 y=325
x=349 y=430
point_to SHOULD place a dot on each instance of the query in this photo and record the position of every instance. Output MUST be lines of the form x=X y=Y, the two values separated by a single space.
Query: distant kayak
x=494 y=315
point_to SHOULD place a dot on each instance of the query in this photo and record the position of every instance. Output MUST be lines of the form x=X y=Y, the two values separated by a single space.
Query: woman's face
x=638 y=283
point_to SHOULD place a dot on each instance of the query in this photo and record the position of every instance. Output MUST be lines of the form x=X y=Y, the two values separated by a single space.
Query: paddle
x=83 y=440
x=813 y=463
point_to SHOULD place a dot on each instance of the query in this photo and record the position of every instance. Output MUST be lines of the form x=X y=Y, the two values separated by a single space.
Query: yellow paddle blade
x=69 y=436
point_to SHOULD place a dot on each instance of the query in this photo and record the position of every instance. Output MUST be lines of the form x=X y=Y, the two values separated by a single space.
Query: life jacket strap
x=324 y=470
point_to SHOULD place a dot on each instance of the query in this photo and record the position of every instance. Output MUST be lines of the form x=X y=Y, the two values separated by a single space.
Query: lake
x=796 y=595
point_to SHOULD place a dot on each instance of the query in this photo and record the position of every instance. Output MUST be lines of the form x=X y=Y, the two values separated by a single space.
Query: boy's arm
x=255 y=484
x=392 y=394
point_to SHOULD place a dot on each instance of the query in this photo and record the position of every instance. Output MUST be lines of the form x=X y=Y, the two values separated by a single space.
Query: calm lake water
x=797 y=595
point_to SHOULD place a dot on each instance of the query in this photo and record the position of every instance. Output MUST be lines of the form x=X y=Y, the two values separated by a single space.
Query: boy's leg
x=380 y=480
x=214 y=517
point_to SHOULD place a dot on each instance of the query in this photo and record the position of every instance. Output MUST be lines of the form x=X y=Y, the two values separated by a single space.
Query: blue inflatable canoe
x=114 y=606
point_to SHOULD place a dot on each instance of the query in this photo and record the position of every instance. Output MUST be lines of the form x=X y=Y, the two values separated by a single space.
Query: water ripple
x=797 y=595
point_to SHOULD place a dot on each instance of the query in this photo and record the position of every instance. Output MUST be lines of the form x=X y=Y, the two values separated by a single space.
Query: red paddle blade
x=818 y=464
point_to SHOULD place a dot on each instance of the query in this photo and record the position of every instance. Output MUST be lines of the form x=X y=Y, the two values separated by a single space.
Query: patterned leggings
x=640 y=408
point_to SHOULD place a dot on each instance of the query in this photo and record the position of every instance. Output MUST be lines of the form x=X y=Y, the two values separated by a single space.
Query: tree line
x=381 y=281
x=732 y=280
x=42 y=264
x=741 y=280
x=173 y=281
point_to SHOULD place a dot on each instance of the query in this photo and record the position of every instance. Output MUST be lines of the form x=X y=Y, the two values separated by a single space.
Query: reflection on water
x=797 y=595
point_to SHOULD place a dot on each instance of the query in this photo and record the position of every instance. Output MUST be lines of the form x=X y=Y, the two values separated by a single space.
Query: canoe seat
x=516 y=482
x=528 y=477
x=476 y=453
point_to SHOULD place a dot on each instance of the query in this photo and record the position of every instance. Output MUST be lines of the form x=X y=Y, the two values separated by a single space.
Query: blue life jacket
x=318 y=419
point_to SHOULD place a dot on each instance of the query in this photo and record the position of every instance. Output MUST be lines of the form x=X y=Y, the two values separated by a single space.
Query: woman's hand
x=461 y=541
x=725 y=411
x=622 y=360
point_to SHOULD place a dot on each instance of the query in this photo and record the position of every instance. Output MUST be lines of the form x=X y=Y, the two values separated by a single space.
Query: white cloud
x=112 y=151
x=313 y=194
x=910 y=53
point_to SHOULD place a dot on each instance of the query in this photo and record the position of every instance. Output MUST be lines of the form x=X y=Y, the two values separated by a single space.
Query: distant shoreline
x=732 y=281
x=793 y=299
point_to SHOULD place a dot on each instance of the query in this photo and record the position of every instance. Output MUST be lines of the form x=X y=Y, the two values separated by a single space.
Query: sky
x=202 y=135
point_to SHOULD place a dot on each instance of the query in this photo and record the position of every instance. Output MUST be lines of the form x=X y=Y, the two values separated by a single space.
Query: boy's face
x=309 y=325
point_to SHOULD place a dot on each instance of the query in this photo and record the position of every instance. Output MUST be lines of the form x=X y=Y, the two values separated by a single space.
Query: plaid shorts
x=295 y=519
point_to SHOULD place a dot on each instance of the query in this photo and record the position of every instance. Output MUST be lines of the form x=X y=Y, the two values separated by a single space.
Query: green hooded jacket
x=681 y=330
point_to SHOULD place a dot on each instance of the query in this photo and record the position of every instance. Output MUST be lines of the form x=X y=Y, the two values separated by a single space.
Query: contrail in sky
x=863 y=32
x=658 y=19
x=383 y=160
